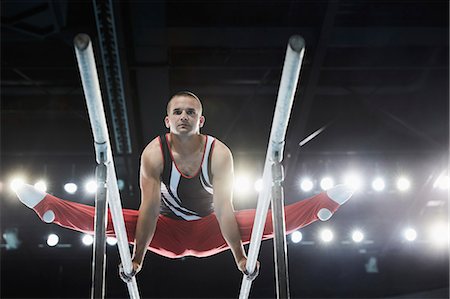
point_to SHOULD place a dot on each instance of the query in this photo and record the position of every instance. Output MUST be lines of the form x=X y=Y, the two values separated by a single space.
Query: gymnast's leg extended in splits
x=177 y=238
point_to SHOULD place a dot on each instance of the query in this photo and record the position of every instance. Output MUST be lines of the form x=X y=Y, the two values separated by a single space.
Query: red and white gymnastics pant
x=177 y=238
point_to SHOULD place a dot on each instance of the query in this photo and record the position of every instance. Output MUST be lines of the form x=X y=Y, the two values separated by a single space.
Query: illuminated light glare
x=111 y=241
x=258 y=185
x=326 y=235
x=442 y=182
x=357 y=236
x=306 y=185
x=242 y=185
x=41 y=186
x=91 y=186
x=52 y=240
x=71 y=188
x=87 y=240
x=16 y=183
x=120 y=184
x=403 y=184
x=378 y=184
x=410 y=234
x=353 y=180
x=326 y=183
x=296 y=236
x=439 y=233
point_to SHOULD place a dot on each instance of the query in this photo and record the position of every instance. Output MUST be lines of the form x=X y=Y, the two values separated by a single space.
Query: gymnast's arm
x=151 y=168
x=223 y=176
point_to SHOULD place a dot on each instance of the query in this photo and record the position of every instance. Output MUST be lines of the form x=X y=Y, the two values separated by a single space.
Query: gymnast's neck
x=186 y=144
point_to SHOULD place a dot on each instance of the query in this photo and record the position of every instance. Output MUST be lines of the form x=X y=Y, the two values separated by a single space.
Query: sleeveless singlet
x=186 y=197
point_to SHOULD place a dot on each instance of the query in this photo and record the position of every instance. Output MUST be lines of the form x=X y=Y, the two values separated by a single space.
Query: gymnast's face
x=184 y=115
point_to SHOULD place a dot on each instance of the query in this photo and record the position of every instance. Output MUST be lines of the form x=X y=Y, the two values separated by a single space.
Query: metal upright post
x=99 y=248
x=279 y=228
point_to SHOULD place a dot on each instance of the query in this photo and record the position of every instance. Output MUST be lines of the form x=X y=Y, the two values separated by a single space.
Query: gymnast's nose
x=184 y=115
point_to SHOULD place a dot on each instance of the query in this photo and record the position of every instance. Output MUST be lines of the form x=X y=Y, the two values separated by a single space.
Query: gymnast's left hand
x=242 y=266
x=127 y=277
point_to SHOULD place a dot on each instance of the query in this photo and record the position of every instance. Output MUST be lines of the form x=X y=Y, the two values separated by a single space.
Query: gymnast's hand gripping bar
x=274 y=156
x=91 y=87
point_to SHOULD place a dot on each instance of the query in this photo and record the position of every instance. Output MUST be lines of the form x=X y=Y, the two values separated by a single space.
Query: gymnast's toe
x=29 y=195
x=340 y=193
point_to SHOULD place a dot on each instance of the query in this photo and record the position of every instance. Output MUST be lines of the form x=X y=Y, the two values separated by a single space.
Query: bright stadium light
x=242 y=185
x=120 y=184
x=378 y=184
x=439 y=233
x=326 y=235
x=357 y=236
x=442 y=182
x=87 y=239
x=91 y=186
x=258 y=185
x=410 y=234
x=41 y=186
x=296 y=236
x=111 y=241
x=403 y=184
x=52 y=240
x=306 y=185
x=70 y=188
x=353 y=180
x=16 y=183
x=326 y=183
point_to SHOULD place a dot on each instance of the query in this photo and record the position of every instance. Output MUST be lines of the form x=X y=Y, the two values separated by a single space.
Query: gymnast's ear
x=202 y=121
x=166 y=122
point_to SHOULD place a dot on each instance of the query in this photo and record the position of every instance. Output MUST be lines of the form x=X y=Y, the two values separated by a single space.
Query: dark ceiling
x=374 y=78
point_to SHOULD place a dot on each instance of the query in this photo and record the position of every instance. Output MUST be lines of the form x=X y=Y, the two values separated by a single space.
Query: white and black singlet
x=186 y=197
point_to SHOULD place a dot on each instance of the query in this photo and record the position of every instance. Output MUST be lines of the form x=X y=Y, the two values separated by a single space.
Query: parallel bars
x=274 y=156
x=91 y=87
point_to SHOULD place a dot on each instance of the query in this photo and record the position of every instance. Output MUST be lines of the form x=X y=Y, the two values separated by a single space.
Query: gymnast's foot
x=31 y=197
x=339 y=194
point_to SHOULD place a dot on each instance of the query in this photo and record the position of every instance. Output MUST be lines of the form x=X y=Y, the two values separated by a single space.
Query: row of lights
x=438 y=235
x=378 y=184
x=243 y=183
x=90 y=186
x=88 y=240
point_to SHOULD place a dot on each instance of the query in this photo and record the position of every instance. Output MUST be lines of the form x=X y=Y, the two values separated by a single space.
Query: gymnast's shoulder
x=152 y=146
x=152 y=155
x=221 y=150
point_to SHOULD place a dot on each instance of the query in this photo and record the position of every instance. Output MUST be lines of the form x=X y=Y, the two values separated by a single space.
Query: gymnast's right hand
x=127 y=277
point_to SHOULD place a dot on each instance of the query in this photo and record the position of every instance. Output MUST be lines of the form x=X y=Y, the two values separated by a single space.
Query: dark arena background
x=373 y=94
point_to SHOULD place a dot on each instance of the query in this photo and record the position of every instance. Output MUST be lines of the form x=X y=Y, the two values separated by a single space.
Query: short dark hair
x=187 y=94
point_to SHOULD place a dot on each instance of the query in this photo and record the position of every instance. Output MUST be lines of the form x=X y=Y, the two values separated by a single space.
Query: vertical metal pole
x=91 y=87
x=279 y=228
x=285 y=98
x=99 y=248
